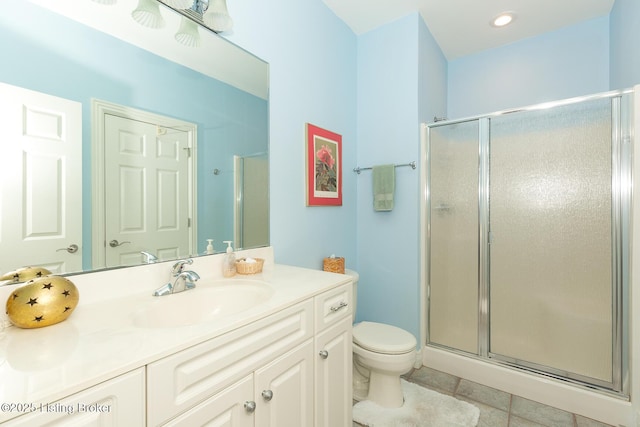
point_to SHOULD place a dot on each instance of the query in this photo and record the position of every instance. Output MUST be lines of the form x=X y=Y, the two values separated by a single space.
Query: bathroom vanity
x=282 y=357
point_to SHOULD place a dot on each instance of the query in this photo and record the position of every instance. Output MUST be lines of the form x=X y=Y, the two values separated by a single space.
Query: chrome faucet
x=184 y=280
x=149 y=258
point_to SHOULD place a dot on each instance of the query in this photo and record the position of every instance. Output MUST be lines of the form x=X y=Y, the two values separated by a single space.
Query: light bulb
x=503 y=19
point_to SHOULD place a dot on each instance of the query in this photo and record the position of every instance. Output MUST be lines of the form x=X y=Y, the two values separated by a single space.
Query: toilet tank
x=354 y=279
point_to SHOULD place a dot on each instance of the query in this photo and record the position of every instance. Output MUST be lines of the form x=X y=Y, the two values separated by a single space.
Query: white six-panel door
x=40 y=181
x=146 y=191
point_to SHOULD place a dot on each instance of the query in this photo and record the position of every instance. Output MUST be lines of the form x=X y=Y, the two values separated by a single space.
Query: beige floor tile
x=587 y=422
x=434 y=379
x=521 y=422
x=483 y=394
x=543 y=414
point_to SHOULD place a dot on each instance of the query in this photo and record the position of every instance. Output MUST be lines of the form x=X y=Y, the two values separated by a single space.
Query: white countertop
x=100 y=340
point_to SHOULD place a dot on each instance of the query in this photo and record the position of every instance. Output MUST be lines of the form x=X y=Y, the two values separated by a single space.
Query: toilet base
x=385 y=390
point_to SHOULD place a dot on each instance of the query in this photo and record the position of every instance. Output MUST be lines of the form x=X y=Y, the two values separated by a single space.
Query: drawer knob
x=323 y=354
x=250 y=406
x=340 y=306
x=267 y=395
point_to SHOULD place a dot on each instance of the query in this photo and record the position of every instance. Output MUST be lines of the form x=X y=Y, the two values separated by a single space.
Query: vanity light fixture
x=179 y=4
x=212 y=14
x=188 y=34
x=148 y=14
x=503 y=19
x=218 y=18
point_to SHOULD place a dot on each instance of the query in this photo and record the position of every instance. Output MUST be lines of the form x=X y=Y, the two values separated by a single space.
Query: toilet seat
x=382 y=338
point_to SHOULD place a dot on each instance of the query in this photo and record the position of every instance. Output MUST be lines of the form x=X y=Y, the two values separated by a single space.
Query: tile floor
x=498 y=408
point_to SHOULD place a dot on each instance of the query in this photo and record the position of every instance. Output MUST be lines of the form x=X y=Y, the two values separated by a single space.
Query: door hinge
x=188 y=222
x=188 y=150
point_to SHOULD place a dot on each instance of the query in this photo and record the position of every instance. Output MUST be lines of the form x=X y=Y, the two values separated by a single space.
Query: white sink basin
x=208 y=301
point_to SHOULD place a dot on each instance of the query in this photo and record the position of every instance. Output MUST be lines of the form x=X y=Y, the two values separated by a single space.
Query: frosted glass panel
x=550 y=221
x=453 y=312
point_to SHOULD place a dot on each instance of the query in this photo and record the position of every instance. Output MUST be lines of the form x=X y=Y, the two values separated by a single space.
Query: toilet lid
x=382 y=338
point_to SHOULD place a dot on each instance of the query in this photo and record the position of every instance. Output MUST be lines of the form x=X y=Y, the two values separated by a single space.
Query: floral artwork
x=326 y=175
x=324 y=167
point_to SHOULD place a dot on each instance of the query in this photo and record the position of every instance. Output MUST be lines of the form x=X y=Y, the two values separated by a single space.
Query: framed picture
x=324 y=167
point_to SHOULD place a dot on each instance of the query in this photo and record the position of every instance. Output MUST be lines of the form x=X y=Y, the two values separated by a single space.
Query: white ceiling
x=462 y=27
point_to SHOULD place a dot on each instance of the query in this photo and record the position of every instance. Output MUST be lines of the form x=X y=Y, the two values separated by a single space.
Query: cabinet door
x=117 y=402
x=284 y=390
x=333 y=372
x=225 y=409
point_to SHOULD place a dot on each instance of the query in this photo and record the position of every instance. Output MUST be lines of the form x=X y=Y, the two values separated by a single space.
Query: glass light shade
x=148 y=14
x=188 y=34
x=217 y=16
x=179 y=4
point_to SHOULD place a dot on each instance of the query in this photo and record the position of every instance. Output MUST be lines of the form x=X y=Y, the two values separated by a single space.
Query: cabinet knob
x=323 y=354
x=250 y=406
x=267 y=395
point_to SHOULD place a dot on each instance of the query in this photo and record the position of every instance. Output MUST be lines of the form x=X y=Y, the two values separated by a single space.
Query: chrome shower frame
x=621 y=185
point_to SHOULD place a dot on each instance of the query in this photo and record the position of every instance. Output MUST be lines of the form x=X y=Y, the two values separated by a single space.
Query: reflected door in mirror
x=147 y=191
x=41 y=180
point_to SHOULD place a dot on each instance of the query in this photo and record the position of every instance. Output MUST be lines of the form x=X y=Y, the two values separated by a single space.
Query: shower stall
x=526 y=249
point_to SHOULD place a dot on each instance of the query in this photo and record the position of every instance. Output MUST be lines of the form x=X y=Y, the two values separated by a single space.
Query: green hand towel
x=384 y=183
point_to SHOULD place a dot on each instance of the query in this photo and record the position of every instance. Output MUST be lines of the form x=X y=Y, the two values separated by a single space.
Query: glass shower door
x=453 y=218
x=551 y=239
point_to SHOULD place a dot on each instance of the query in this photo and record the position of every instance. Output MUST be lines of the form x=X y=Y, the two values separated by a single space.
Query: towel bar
x=359 y=169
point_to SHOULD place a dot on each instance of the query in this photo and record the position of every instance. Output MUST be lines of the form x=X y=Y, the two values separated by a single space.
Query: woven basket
x=244 y=267
x=334 y=265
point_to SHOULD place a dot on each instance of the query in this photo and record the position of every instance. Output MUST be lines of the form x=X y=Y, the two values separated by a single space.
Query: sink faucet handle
x=179 y=266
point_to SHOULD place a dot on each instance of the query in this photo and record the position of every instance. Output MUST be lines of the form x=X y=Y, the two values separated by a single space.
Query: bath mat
x=421 y=408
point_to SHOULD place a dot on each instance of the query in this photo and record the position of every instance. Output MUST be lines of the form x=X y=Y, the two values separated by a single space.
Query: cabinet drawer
x=333 y=305
x=178 y=382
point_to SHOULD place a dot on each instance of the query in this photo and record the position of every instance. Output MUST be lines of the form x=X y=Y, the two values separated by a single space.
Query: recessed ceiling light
x=503 y=19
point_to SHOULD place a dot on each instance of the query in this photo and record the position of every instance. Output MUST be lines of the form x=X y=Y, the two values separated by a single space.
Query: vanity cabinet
x=182 y=381
x=292 y=368
x=119 y=401
x=333 y=352
x=289 y=368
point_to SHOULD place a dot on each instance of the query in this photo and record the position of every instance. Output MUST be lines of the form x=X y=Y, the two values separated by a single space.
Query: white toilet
x=381 y=353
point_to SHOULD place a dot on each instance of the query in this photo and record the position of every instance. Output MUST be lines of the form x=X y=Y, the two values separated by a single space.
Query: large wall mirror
x=119 y=143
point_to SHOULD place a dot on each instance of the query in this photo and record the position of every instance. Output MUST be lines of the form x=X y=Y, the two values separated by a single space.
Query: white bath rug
x=421 y=408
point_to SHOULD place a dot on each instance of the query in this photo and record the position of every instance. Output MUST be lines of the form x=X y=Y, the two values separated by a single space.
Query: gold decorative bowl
x=23 y=274
x=42 y=302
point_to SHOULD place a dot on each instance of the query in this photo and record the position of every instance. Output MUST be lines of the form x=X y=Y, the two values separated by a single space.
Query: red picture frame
x=324 y=167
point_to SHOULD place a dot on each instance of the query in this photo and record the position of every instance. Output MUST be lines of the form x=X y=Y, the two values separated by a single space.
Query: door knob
x=114 y=243
x=323 y=354
x=267 y=395
x=72 y=249
x=250 y=406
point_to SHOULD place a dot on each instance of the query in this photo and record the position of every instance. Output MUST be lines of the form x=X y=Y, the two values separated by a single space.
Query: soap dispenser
x=210 y=246
x=229 y=261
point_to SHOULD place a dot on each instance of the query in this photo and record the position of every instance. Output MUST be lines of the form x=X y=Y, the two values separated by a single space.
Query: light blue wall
x=569 y=62
x=312 y=61
x=401 y=77
x=625 y=44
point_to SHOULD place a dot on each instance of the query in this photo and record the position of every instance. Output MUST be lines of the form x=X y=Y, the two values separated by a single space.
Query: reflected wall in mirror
x=117 y=139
